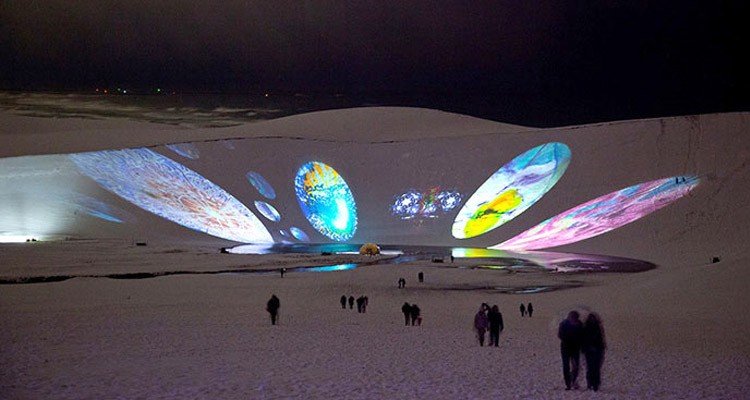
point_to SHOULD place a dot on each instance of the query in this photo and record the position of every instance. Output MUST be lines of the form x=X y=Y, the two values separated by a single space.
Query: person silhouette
x=283 y=270
x=420 y=276
x=480 y=324
x=365 y=302
x=523 y=310
x=495 y=319
x=351 y=302
x=360 y=303
x=272 y=307
x=530 y=310
x=415 y=318
x=570 y=333
x=406 y=309
x=593 y=348
x=343 y=301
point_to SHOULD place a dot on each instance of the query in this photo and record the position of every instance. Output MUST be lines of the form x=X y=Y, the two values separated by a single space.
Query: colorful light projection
x=268 y=211
x=602 y=214
x=511 y=190
x=425 y=204
x=261 y=185
x=168 y=189
x=299 y=234
x=99 y=209
x=187 y=150
x=326 y=201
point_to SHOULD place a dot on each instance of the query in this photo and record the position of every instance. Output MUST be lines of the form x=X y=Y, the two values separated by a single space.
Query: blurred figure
x=360 y=303
x=406 y=309
x=351 y=302
x=523 y=310
x=416 y=319
x=495 y=318
x=283 y=271
x=343 y=301
x=272 y=307
x=480 y=324
x=365 y=301
x=593 y=348
x=530 y=310
x=420 y=276
x=570 y=333
x=401 y=283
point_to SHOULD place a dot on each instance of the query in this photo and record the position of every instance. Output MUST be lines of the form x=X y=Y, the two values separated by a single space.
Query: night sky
x=535 y=62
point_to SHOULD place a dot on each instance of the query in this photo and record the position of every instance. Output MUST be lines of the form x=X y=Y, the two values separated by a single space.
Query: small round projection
x=261 y=185
x=511 y=190
x=169 y=189
x=268 y=211
x=326 y=200
x=602 y=214
x=187 y=150
x=299 y=234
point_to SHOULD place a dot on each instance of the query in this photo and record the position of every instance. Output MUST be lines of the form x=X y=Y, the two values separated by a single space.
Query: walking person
x=360 y=302
x=415 y=318
x=523 y=310
x=351 y=302
x=406 y=309
x=570 y=333
x=365 y=301
x=480 y=324
x=593 y=348
x=343 y=301
x=272 y=307
x=530 y=310
x=495 y=318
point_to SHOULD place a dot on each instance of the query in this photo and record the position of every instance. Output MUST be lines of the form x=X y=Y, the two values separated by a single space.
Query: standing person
x=495 y=318
x=343 y=301
x=480 y=324
x=593 y=348
x=283 y=270
x=351 y=302
x=420 y=276
x=360 y=301
x=272 y=307
x=570 y=333
x=365 y=301
x=523 y=310
x=406 y=309
x=415 y=319
x=530 y=309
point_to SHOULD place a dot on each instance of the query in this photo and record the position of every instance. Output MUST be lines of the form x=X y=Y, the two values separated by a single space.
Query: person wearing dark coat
x=523 y=310
x=420 y=276
x=351 y=302
x=406 y=309
x=343 y=301
x=570 y=333
x=530 y=310
x=415 y=311
x=360 y=303
x=272 y=307
x=593 y=348
x=365 y=302
x=495 y=318
x=480 y=324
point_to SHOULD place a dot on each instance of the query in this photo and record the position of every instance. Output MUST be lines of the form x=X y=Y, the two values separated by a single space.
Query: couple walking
x=490 y=318
x=576 y=337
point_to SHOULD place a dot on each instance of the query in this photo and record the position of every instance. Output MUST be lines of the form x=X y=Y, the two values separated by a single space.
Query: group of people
x=489 y=318
x=527 y=310
x=412 y=314
x=362 y=302
x=587 y=337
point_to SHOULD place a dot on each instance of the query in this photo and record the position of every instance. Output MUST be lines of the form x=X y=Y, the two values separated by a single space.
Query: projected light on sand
x=511 y=190
x=268 y=211
x=602 y=214
x=187 y=150
x=425 y=204
x=261 y=185
x=326 y=201
x=171 y=190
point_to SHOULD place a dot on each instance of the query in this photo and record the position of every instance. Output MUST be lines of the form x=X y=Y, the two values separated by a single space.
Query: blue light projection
x=326 y=200
x=299 y=234
x=187 y=150
x=268 y=211
x=512 y=189
x=261 y=185
x=168 y=189
x=99 y=209
x=424 y=204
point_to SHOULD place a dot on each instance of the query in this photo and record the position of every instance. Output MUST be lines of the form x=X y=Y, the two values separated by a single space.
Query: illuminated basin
x=602 y=214
x=326 y=201
x=512 y=189
x=166 y=188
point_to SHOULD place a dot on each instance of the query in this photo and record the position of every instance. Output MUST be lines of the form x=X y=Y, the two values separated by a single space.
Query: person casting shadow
x=495 y=318
x=406 y=309
x=272 y=307
x=415 y=312
x=570 y=333
x=593 y=348
x=480 y=324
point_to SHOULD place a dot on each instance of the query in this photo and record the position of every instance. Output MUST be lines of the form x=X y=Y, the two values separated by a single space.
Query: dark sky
x=590 y=61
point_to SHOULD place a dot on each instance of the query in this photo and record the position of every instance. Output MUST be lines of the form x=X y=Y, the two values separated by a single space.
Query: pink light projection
x=602 y=214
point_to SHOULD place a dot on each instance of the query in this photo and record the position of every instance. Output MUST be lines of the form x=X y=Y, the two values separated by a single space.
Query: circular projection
x=299 y=234
x=261 y=185
x=268 y=211
x=512 y=189
x=602 y=214
x=187 y=150
x=168 y=189
x=326 y=201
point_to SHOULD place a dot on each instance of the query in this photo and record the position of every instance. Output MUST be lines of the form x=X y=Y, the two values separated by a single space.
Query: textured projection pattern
x=326 y=201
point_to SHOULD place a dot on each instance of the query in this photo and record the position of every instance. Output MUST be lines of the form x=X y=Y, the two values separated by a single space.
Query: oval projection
x=268 y=211
x=187 y=150
x=602 y=214
x=169 y=189
x=512 y=189
x=299 y=234
x=326 y=201
x=261 y=185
